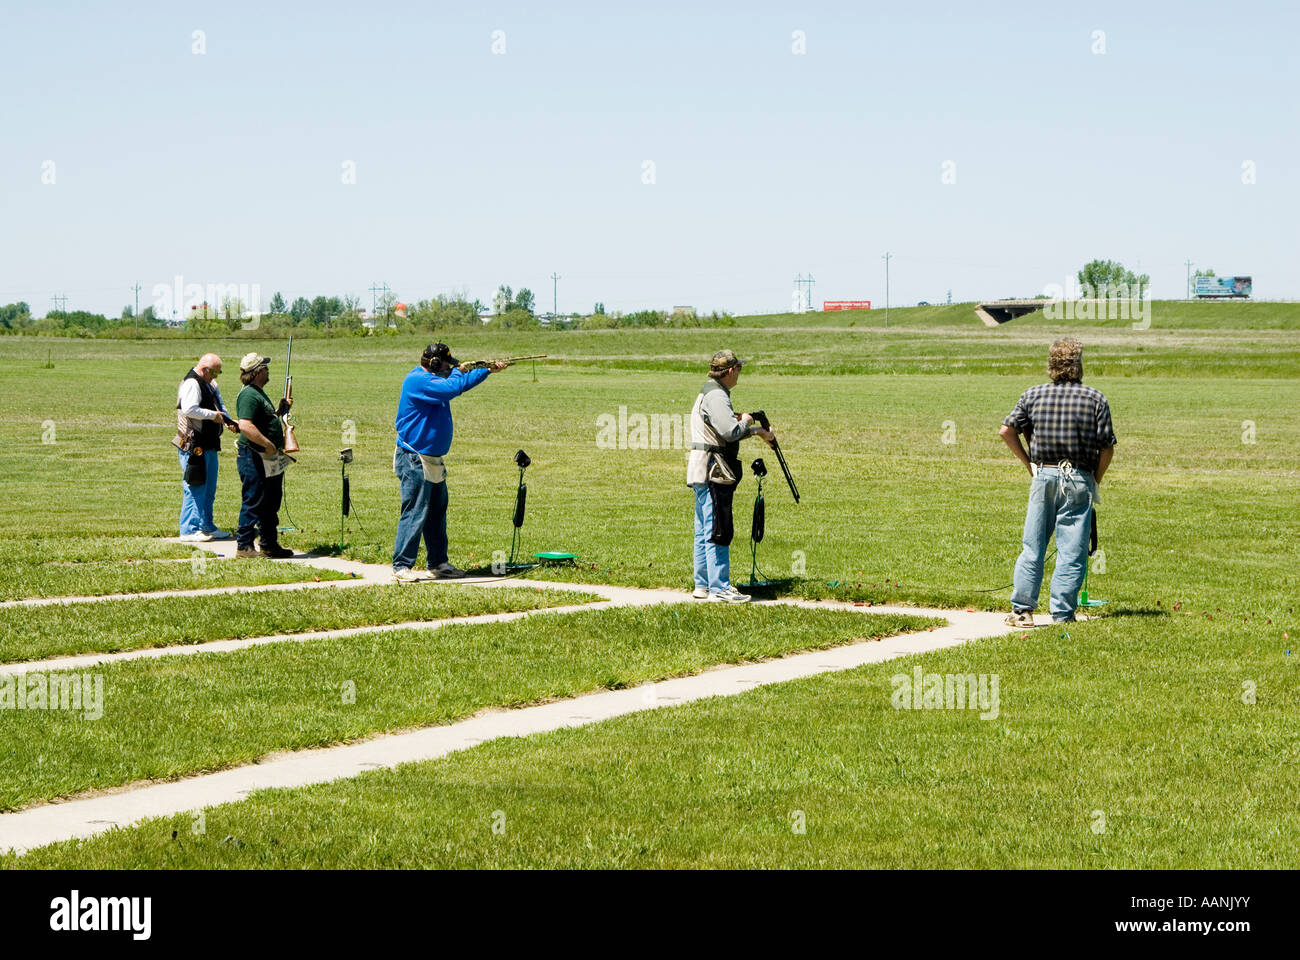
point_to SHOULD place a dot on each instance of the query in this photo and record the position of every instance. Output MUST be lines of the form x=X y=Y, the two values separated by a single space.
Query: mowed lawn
x=908 y=496
x=1121 y=750
x=168 y=717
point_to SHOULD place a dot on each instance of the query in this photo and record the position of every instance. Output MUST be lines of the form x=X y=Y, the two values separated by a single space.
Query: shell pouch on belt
x=435 y=471
x=724 y=474
x=196 y=468
x=274 y=466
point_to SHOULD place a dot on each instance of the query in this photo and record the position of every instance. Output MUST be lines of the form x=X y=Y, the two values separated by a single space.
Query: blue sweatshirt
x=424 y=410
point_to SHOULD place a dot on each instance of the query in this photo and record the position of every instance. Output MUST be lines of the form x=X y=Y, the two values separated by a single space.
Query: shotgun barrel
x=508 y=361
x=761 y=417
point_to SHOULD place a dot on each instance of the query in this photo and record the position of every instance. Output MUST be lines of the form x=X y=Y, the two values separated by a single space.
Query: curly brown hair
x=1065 y=360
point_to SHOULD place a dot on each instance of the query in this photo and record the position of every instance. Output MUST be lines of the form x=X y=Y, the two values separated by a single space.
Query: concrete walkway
x=98 y=813
x=84 y=661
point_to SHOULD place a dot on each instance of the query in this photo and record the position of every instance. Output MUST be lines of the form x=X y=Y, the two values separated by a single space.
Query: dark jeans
x=261 y=507
x=424 y=514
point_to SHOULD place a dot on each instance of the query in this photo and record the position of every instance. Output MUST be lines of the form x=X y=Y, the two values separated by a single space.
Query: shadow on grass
x=1136 y=612
x=326 y=550
x=780 y=587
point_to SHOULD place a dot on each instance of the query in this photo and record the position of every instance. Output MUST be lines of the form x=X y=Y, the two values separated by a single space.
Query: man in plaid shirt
x=1071 y=442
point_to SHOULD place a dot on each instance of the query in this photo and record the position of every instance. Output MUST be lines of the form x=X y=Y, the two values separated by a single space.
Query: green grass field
x=180 y=715
x=63 y=567
x=909 y=496
x=1148 y=740
x=32 y=633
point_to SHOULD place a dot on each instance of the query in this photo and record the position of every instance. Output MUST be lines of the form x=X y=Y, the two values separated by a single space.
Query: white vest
x=697 y=460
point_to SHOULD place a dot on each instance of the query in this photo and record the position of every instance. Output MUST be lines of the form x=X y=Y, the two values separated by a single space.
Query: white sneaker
x=217 y=534
x=196 y=537
x=701 y=593
x=407 y=575
x=734 y=597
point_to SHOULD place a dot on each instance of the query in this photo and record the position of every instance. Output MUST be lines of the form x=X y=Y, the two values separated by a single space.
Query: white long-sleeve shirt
x=190 y=397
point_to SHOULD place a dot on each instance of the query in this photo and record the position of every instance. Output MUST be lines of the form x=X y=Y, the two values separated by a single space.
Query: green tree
x=598 y=310
x=128 y=313
x=1109 y=278
x=514 y=317
x=15 y=315
x=523 y=300
x=277 y=304
x=503 y=300
x=1202 y=273
x=300 y=310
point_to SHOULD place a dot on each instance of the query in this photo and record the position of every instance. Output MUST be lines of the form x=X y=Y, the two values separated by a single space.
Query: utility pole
x=375 y=288
x=137 y=309
x=804 y=286
x=64 y=300
x=555 y=297
x=886 y=259
x=1189 y=279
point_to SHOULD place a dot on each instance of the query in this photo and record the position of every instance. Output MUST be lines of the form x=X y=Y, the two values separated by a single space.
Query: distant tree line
x=336 y=316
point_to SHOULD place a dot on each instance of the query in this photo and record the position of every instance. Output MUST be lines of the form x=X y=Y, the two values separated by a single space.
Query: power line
x=64 y=307
x=555 y=297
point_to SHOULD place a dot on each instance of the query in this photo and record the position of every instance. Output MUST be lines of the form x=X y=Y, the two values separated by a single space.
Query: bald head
x=208 y=367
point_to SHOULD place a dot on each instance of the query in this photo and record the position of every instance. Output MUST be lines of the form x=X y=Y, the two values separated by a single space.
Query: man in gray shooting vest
x=712 y=471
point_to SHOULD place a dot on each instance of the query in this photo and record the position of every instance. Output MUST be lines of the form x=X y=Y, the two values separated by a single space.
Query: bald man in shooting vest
x=201 y=416
x=712 y=471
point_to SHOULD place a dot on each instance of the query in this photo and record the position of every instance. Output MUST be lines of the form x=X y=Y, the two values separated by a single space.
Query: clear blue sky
x=474 y=169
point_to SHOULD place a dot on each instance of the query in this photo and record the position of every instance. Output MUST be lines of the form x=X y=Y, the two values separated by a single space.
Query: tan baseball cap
x=252 y=361
x=723 y=361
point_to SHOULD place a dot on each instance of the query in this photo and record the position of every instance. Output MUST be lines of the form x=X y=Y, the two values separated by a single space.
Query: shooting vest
x=207 y=433
x=712 y=459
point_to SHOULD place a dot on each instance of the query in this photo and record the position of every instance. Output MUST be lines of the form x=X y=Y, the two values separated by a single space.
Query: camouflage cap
x=723 y=361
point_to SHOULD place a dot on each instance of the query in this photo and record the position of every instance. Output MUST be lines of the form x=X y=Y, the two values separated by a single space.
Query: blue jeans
x=196 y=501
x=260 y=509
x=1064 y=505
x=424 y=514
x=712 y=562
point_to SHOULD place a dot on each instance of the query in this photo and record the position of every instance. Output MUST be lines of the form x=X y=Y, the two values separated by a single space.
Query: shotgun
x=290 y=439
x=509 y=361
x=761 y=417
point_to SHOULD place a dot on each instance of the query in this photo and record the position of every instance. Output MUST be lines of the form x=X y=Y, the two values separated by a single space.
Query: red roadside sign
x=846 y=304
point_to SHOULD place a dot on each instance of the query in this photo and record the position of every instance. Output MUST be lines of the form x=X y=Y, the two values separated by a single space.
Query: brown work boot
x=277 y=552
x=246 y=553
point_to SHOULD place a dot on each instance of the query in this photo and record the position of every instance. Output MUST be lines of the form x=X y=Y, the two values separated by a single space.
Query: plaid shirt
x=1064 y=421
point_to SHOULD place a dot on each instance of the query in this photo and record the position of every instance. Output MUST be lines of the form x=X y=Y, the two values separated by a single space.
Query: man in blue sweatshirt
x=423 y=437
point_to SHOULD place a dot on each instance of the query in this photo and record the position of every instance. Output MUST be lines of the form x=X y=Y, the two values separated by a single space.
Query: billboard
x=846 y=304
x=1223 y=286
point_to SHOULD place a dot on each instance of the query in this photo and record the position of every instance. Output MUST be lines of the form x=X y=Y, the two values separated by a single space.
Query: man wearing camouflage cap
x=712 y=471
